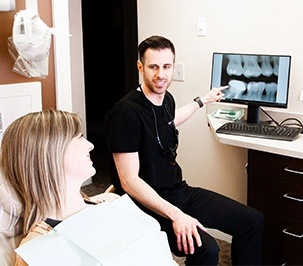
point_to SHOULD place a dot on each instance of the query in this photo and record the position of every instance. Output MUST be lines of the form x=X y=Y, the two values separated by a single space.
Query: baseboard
x=87 y=182
x=219 y=235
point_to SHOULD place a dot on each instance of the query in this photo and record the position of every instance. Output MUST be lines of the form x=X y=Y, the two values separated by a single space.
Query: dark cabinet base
x=275 y=187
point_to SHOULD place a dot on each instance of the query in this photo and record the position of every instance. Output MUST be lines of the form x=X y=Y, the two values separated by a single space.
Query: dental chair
x=10 y=223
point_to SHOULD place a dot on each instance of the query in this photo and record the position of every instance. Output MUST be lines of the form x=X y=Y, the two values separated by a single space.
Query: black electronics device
x=255 y=80
x=259 y=130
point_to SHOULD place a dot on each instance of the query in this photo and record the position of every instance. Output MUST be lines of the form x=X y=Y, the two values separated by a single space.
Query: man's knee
x=207 y=254
x=259 y=220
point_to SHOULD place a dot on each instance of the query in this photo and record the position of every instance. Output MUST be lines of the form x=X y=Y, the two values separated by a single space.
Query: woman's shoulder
x=40 y=229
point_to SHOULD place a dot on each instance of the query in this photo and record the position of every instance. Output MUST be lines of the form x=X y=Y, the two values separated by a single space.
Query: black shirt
x=134 y=124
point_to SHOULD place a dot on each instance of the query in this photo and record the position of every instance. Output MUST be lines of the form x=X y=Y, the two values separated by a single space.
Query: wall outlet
x=179 y=72
x=301 y=96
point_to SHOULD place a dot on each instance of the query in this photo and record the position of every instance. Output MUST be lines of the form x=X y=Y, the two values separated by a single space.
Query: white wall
x=77 y=60
x=69 y=66
x=251 y=26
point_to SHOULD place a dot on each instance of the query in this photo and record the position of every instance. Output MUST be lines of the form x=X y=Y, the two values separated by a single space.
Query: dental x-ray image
x=252 y=78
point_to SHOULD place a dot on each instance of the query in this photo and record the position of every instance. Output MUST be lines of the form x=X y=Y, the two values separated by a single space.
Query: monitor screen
x=253 y=79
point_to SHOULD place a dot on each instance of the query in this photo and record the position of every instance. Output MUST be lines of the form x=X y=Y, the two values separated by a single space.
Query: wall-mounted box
x=7 y=5
x=19 y=99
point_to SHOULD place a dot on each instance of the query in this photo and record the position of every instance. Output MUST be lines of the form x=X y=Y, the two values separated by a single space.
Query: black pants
x=243 y=223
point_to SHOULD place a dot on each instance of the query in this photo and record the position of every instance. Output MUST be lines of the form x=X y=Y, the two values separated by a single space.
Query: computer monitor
x=254 y=79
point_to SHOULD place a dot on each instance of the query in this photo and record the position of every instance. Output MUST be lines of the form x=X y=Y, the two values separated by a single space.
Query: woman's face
x=78 y=165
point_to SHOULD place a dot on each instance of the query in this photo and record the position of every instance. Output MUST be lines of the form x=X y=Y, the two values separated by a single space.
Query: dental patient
x=45 y=159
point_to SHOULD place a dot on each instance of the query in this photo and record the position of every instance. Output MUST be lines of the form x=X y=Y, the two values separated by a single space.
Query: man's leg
x=207 y=254
x=243 y=223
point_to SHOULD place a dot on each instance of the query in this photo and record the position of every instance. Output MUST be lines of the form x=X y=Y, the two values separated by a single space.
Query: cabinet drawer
x=279 y=246
x=276 y=196
x=272 y=256
x=276 y=166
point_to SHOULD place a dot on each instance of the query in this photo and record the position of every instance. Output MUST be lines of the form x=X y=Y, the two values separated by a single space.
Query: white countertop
x=288 y=148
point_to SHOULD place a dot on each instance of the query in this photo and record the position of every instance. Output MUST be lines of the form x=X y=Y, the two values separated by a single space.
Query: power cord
x=272 y=119
x=295 y=122
x=299 y=124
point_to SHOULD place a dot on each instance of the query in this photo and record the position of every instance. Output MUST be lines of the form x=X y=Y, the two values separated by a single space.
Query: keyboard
x=260 y=130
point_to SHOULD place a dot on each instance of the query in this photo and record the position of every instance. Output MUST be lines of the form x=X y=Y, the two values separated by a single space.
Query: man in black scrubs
x=143 y=139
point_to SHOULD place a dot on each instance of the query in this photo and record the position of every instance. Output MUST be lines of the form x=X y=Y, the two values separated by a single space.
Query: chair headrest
x=11 y=210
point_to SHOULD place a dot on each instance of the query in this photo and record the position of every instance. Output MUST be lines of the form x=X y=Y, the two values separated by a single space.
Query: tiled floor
x=96 y=187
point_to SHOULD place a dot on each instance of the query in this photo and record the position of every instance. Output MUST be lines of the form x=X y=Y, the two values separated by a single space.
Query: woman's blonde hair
x=32 y=161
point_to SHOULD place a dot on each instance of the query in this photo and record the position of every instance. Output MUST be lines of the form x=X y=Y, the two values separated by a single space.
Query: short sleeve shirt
x=134 y=124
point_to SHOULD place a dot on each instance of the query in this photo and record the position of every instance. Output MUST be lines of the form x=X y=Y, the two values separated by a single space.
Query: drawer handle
x=293 y=171
x=291 y=197
x=292 y=234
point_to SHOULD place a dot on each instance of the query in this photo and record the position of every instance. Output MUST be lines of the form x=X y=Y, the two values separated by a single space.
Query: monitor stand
x=253 y=113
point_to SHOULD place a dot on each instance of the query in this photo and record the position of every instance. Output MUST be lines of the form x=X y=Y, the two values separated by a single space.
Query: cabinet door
x=275 y=187
x=282 y=241
x=275 y=196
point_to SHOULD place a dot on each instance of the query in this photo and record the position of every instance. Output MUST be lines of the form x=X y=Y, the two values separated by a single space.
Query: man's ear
x=140 y=66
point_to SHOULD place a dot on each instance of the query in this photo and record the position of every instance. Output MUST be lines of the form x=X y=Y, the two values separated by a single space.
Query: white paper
x=116 y=233
x=53 y=249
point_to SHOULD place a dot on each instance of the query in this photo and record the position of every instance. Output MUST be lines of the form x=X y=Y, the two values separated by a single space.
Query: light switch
x=179 y=72
x=201 y=26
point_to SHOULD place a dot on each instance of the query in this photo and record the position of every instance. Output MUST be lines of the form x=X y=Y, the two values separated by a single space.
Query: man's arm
x=185 y=226
x=185 y=112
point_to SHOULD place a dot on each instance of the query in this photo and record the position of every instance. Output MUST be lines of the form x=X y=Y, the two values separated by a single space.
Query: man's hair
x=32 y=161
x=155 y=43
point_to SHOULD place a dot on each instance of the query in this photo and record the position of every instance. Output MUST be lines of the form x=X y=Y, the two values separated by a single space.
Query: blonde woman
x=46 y=159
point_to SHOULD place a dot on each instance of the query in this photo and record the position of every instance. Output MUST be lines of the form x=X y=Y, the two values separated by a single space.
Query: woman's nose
x=91 y=145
